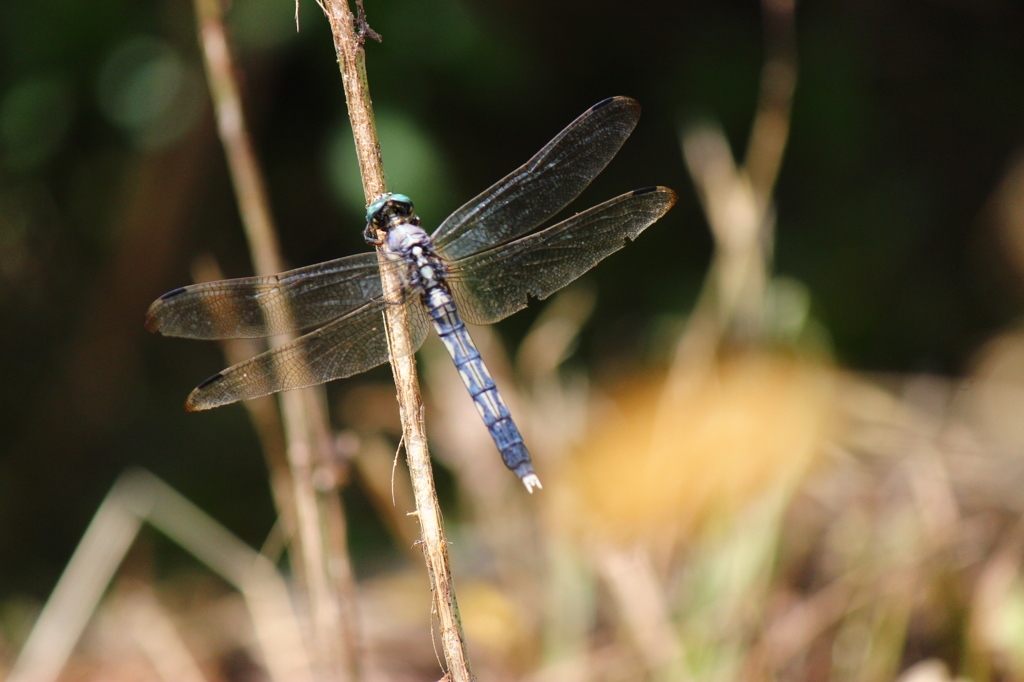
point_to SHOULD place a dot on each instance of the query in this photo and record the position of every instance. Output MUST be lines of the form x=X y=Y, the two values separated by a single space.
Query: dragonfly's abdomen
x=478 y=380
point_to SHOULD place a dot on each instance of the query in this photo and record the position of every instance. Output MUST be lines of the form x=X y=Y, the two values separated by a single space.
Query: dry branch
x=321 y=538
x=348 y=44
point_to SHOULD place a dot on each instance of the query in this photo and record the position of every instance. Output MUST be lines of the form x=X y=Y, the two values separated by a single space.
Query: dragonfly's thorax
x=414 y=245
x=405 y=236
x=394 y=215
x=428 y=270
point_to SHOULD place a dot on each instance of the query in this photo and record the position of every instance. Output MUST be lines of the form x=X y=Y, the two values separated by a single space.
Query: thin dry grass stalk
x=321 y=536
x=348 y=45
x=737 y=201
x=140 y=613
x=139 y=497
x=733 y=427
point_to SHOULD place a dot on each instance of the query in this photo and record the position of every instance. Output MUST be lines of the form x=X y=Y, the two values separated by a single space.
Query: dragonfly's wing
x=349 y=345
x=254 y=307
x=531 y=194
x=491 y=285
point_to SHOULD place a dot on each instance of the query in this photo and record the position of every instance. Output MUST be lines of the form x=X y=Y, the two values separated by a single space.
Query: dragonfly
x=481 y=265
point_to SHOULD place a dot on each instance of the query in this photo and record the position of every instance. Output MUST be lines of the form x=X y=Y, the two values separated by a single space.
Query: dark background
x=112 y=181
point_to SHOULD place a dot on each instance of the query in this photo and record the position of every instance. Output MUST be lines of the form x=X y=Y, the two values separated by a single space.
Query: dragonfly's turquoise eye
x=399 y=203
x=376 y=206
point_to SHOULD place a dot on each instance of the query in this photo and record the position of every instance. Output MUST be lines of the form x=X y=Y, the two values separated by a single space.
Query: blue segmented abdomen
x=481 y=386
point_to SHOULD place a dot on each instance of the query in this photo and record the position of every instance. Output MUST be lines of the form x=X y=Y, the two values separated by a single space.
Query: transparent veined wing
x=349 y=345
x=254 y=307
x=531 y=194
x=491 y=285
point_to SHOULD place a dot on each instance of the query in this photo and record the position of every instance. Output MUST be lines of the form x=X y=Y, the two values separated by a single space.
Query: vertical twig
x=351 y=59
x=737 y=197
x=263 y=413
x=770 y=131
x=320 y=525
x=737 y=201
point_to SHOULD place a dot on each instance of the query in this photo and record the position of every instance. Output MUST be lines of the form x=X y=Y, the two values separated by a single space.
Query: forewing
x=347 y=346
x=531 y=194
x=491 y=285
x=253 y=307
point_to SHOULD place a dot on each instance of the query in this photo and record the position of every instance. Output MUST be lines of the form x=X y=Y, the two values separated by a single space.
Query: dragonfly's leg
x=370 y=235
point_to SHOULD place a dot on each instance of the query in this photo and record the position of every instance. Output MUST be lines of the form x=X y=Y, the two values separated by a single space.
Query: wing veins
x=491 y=285
x=349 y=345
x=253 y=307
x=544 y=185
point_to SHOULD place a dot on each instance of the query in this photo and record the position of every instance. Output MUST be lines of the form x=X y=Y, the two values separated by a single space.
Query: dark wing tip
x=212 y=380
x=626 y=101
x=195 y=401
x=173 y=293
x=152 y=321
x=670 y=193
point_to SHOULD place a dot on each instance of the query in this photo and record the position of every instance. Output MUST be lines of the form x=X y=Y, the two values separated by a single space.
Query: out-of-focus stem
x=770 y=131
x=351 y=58
x=317 y=514
x=737 y=198
x=263 y=413
x=737 y=201
x=234 y=134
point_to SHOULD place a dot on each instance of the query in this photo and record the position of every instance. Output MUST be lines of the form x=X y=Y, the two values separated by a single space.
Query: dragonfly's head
x=389 y=210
